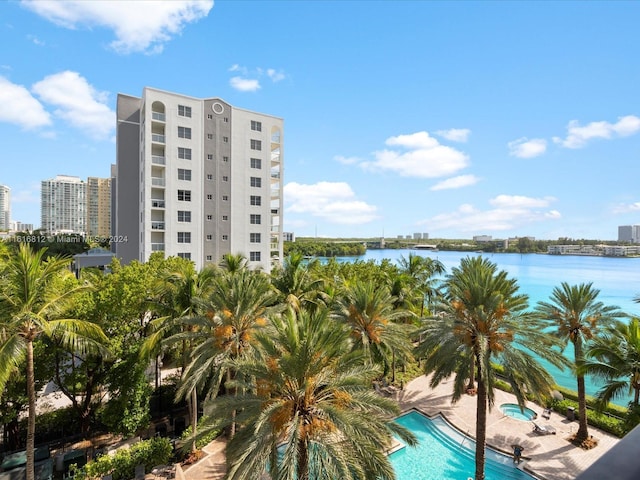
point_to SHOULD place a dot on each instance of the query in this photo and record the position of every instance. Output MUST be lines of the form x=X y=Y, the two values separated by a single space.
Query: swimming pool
x=443 y=453
x=513 y=410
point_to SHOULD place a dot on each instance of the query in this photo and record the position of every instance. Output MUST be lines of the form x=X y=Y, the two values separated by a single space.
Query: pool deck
x=550 y=457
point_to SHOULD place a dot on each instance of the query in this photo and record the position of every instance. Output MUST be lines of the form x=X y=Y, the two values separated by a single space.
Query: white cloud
x=455 y=134
x=578 y=136
x=35 y=40
x=274 y=75
x=525 y=148
x=418 y=155
x=78 y=103
x=332 y=201
x=627 y=207
x=510 y=212
x=347 y=160
x=19 y=107
x=138 y=26
x=456 y=182
x=244 y=84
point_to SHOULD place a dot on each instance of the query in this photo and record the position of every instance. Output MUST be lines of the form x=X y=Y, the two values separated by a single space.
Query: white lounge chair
x=543 y=429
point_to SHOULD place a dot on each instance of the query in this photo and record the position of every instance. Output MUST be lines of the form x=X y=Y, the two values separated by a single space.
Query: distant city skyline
x=453 y=118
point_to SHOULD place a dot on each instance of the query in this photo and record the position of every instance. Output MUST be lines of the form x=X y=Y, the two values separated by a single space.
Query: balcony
x=157 y=247
x=157 y=203
x=158 y=181
x=158 y=160
x=157 y=138
x=157 y=225
x=160 y=117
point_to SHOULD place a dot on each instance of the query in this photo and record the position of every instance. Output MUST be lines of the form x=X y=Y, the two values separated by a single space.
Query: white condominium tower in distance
x=63 y=207
x=196 y=178
x=5 y=208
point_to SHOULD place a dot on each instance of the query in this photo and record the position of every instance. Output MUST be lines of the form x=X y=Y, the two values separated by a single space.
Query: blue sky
x=452 y=118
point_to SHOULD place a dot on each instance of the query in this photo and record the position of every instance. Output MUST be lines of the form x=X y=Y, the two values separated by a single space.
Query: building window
x=209 y=217
x=256 y=200
x=210 y=136
x=184 y=111
x=184 y=195
x=255 y=219
x=209 y=258
x=256 y=145
x=209 y=116
x=209 y=176
x=256 y=126
x=209 y=156
x=254 y=256
x=209 y=237
x=225 y=198
x=225 y=237
x=184 y=237
x=184 y=132
x=225 y=218
x=184 y=216
x=184 y=153
x=225 y=119
x=254 y=238
x=256 y=163
x=225 y=139
x=184 y=174
x=186 y=255
x=225 y=159
x=256 y=182
x=209 y=196
x=225 y=178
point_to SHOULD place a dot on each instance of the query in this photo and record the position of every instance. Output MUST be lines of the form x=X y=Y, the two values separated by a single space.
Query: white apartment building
x=63 y=206
x=629 y=233
x=196 y=178
x=5 y=208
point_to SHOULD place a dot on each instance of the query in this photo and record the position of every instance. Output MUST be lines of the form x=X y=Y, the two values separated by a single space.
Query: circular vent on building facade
x=217 y=108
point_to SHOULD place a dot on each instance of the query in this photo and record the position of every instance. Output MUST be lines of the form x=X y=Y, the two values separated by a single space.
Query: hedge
x=122 y=465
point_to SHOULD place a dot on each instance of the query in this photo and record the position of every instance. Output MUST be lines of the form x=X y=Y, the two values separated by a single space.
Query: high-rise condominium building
x=63 y=205
x=5 y=208
x=98 y=207
x=197 y=178
x=629 y=233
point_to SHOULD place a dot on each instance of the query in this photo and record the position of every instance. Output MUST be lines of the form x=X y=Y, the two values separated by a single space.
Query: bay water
x=617 y=279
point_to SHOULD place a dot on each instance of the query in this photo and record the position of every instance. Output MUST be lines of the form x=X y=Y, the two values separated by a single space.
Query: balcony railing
x=161 y=117
x=157 y=203
x=156 y=137
x=157 y=181
x=157 y=225
x=157 y=247
x=158 y=160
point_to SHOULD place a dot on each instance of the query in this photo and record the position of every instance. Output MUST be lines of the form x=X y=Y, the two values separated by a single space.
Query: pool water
x=513 y=410
x=443 y=453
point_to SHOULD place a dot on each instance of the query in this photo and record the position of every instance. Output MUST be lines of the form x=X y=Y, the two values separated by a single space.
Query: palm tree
x=234 y=310
x=308 y=411
x=296 y=283
x=615 y=358
x=31 y=302
x=423 y=272
x=575 y=316
x=368 y=312
x=483 y=319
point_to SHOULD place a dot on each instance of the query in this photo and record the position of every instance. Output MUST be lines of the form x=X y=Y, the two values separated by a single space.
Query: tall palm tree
x=615 y=358
x=236 y=307
x=32 y=301
x=575 y=315
x=483 y=319
x=424 y=272
x=297 y=285
x=308 y=411
x=368 y=312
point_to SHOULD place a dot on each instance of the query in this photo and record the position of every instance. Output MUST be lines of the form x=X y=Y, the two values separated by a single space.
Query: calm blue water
x=618 y=280
x=443 y=453
x=513 y=410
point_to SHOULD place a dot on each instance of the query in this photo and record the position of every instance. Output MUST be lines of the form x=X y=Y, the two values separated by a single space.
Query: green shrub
x=607 y=423
x=122 y=465
x=204 y=435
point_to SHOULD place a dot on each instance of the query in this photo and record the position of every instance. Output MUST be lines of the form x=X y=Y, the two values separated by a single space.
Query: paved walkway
x=550 y=457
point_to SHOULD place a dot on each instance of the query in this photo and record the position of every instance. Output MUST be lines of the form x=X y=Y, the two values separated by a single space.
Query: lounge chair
x=546 y=413
x=543 y=429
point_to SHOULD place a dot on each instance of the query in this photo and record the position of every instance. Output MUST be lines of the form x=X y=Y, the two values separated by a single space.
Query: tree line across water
x=289 y=358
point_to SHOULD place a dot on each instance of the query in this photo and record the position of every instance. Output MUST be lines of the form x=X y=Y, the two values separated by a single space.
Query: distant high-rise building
x=5 y=208
x=417 y=236
x=629 y=233
x=197 y=178
x=21 y=227
x=63 y=205
x=98 y=207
